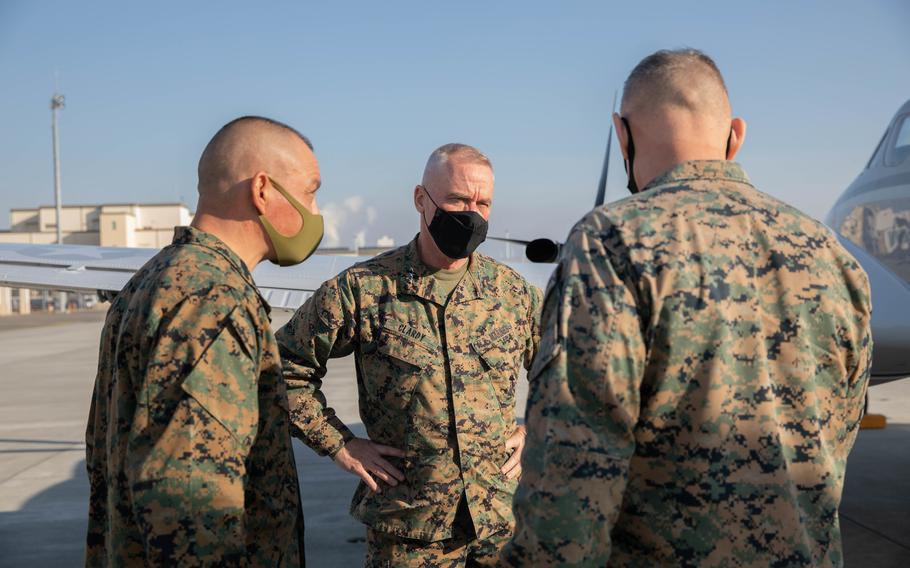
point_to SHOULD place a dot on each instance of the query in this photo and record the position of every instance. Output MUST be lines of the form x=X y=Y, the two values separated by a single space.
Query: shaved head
x=245 y=146
x=256 y=173
x=677 y=80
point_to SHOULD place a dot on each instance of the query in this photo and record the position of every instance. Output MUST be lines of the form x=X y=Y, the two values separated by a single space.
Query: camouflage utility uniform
x=188 y=446
x=705 y=350
x=436 y=377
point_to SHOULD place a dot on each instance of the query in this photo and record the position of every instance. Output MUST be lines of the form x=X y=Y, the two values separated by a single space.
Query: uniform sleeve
x=582 y=407
x=321 y=329
x=534 y=320
x=96 y=460
x=194 y=426
x=859 y=346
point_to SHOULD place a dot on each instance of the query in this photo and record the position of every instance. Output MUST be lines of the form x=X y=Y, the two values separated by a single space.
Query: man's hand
x=512 y=468
x=364 y=459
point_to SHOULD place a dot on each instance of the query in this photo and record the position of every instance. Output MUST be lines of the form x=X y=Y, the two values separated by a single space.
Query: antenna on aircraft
x=602 y=185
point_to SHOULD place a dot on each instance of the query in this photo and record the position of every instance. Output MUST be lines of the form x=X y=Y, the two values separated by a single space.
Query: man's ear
x=621 y=135
x=737 y=136
x=418 y=199
x=258 y=189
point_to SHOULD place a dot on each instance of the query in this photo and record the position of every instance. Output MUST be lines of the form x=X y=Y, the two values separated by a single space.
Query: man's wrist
x=346 y=436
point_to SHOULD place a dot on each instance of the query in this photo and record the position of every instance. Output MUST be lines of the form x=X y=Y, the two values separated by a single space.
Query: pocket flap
x=404 y=348
x=499 y=336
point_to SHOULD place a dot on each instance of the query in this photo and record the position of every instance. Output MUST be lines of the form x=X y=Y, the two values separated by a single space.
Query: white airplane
x=107 y=269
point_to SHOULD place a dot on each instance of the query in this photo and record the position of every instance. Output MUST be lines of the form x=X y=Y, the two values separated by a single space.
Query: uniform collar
x=701 y=170
x=417 y=279
x=193 y=236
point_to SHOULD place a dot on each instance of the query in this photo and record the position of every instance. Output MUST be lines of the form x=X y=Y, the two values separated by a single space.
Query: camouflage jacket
x=705 y=351
x=435 y=379
x=188 y=447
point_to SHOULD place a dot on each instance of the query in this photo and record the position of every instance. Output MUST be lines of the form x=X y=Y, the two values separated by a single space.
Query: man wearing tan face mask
x=188 y=444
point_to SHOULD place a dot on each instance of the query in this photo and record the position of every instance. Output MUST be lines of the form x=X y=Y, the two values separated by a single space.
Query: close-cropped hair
x=664 y=68
x=441 y=155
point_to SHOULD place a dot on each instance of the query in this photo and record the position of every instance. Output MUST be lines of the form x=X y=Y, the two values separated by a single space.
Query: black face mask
x=632 y=186
x=456 y=233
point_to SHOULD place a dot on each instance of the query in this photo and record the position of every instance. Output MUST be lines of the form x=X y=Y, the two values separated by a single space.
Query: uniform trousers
x=462 y=550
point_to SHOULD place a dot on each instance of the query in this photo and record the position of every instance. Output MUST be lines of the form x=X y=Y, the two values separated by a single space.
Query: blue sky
x=378 y=85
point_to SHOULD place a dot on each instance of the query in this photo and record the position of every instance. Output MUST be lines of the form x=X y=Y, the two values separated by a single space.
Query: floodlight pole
x=57 y=102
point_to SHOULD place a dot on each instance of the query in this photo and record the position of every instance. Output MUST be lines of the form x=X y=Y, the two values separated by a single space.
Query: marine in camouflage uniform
x=188 y=447
x=704 y=357
x=436 y=377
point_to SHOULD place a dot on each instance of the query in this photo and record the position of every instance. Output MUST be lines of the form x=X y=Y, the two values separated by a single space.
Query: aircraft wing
x=107 y=269
x=88 y=268
x=69 y=267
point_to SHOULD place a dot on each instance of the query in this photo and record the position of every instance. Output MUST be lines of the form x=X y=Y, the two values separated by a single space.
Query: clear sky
x=378 y=85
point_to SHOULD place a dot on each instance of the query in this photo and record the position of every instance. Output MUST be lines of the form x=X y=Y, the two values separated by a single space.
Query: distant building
x=142 y=225
x=147 y=225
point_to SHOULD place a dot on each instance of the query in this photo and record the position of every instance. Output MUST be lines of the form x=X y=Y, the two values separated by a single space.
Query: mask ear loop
x=630 y=150
x=294 y=203
x=422 y=217
x=444 y=212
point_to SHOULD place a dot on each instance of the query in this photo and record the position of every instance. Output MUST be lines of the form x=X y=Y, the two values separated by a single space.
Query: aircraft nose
x=890 y=316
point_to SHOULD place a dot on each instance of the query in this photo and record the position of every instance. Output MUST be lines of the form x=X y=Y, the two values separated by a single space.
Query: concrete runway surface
x=47 y=368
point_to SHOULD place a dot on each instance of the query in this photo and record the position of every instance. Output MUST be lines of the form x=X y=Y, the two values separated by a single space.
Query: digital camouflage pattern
x=435 y=378
x=460 y=550
x=188 y=446
x=705 y=352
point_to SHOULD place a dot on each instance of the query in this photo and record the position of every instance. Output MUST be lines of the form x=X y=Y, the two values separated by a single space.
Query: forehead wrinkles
x=469 y=179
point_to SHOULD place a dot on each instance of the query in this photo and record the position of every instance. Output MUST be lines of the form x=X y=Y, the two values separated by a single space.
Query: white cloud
x=347 y=222
x=360 y=239
x=354 y=203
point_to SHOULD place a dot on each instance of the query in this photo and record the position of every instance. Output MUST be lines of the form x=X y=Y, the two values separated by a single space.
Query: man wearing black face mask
x=704 y=359
x=439 y=333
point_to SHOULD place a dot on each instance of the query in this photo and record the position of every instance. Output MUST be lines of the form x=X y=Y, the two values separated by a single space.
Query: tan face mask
x=299 y=247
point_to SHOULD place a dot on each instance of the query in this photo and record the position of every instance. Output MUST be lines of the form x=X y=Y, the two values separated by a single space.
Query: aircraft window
x=877 y=155
x=899 y=151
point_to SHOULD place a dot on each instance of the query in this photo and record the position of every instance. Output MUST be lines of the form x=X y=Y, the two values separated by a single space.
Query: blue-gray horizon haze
x=378 y=86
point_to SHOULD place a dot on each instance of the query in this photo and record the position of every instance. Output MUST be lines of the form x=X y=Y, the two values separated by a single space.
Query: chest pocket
x=500 y=355
x=395 y=368
x=500 y=350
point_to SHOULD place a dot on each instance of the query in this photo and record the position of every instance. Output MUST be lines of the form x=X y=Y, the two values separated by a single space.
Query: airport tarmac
x=47 y=368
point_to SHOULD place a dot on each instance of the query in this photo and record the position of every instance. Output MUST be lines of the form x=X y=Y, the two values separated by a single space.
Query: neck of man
x=430 y=254
x=666 y=138
x=657 y=161
x=234 y=235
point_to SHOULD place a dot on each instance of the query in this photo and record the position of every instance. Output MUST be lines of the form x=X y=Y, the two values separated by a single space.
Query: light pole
x=58 y=102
